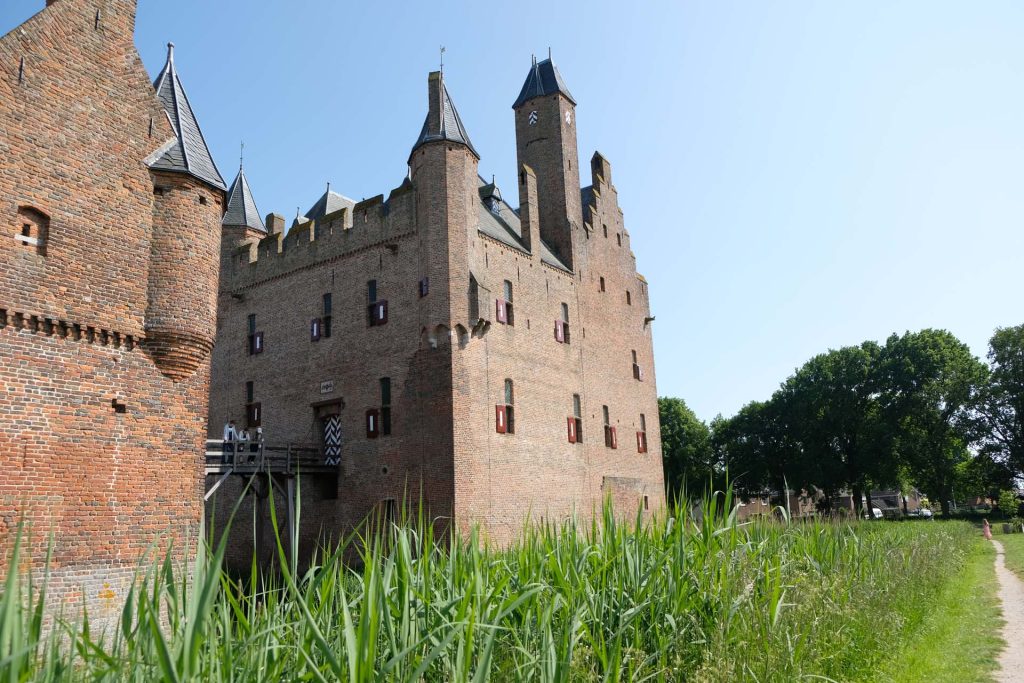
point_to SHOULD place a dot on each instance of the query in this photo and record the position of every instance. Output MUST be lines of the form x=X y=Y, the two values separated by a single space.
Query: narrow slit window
x=602 y=283
x=610 y=438
x=385 y=405
x=325 y=320
x=641 y=436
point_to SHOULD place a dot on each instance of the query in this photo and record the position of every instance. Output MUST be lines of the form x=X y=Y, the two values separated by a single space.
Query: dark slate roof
x=543 y=79
x=451 y=130
x=241 y=206
x=505 y=227
x=189 y=154
x=329 y=202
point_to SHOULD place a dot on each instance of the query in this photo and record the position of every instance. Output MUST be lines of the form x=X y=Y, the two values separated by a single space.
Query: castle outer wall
x=103 y=380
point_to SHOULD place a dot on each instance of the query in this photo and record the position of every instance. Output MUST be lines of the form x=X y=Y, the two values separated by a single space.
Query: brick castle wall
x=446 y=353
x=98 y=447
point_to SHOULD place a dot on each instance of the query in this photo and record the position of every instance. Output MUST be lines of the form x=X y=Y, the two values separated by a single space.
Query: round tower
x=188 y=203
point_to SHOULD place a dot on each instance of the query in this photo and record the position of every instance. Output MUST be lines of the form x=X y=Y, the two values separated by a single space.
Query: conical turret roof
x=189 y=153
x=241 y=206
x=447 y=126
x=543 y=79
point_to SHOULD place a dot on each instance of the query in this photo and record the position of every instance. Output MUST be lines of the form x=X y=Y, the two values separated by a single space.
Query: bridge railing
x=250 y=456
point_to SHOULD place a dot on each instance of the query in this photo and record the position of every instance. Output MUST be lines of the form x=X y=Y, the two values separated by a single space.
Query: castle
x=491 y=364
x=108 y=290
x=435 y=345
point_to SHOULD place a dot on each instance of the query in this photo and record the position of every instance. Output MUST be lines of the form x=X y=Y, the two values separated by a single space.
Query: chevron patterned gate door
x=332 y=440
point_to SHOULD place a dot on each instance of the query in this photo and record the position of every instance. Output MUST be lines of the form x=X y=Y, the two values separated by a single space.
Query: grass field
x=957 y=640
x=1014 y=546
x=690 y=598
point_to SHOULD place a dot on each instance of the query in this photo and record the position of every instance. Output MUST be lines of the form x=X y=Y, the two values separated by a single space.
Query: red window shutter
x=559 y=331
x=613 y=441
x=641 y=442
x=499 y=311
x=372 y=423
x=571 y=422
x=500 y=421
x=314 y=329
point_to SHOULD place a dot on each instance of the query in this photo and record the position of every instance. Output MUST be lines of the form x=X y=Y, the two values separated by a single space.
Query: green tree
x=757 y=448
x=930 y=385
x=686 y=448
x=835 y=415
x=1002 y=402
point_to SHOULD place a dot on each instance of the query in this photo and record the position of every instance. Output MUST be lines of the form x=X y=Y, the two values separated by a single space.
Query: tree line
x=918 y=411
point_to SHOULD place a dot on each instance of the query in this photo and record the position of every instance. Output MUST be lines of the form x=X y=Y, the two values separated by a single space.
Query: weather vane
x=442 y=59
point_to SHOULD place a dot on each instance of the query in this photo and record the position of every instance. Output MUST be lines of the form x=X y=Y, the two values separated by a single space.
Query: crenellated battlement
x=370 y=223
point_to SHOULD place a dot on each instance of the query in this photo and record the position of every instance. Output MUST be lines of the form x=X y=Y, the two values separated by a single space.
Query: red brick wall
x=447 y=371
x=108 y=485
x=285 y=292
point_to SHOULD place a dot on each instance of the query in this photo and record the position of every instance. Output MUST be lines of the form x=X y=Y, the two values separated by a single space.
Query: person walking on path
x=986 y=530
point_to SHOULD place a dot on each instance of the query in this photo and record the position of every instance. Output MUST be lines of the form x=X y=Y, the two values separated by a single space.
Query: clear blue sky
x=795 y=175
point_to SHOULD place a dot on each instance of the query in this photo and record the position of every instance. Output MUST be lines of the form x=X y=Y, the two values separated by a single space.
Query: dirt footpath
x=1011 y=595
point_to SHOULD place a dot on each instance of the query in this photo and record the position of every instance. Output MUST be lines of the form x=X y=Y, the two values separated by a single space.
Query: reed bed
x=691 y=596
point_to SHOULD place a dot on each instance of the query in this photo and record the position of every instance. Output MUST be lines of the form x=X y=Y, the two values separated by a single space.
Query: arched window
x=33 y=229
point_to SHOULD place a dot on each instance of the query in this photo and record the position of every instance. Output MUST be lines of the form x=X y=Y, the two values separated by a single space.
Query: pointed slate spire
x=543 y=79
x=443 y=121
x=189 y=153
x=242 y=209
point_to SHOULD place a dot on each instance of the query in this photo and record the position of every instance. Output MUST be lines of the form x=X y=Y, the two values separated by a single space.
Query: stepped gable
x=543 y=79
x=241 y=207
x=188 y=153
x=448 y=126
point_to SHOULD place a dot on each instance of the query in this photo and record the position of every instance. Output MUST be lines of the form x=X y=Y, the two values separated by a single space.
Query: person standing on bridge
x=230 y=437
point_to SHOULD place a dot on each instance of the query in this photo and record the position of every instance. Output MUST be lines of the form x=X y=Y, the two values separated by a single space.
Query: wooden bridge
x=227 y=458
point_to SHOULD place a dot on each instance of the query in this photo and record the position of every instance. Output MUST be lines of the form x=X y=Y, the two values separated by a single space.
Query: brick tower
x=545 y=115
x=108 y=277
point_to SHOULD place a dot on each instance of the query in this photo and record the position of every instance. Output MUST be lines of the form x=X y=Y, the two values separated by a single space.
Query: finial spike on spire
x=170 y=52
x=241 y=157
x=442 y=59
x=549 y=53
x=328 y=187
